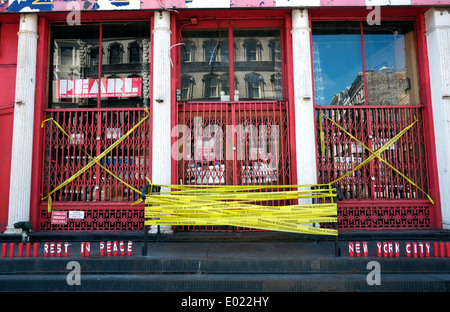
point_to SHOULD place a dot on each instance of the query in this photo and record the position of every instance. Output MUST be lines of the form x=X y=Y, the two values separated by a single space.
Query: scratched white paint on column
x=22 y=143
x=161 y=107
x=303 y=105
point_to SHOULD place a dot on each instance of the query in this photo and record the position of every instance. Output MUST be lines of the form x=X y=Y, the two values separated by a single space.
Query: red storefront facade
x=229 y=68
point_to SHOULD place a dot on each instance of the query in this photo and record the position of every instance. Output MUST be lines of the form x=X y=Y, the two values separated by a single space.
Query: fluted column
x=22 y=143
x=304 y=106
x=438 y=41
x=161 y=105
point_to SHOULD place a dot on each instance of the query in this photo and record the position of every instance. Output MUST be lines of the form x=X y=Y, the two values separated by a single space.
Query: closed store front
x=190 y=94
x=99 y=87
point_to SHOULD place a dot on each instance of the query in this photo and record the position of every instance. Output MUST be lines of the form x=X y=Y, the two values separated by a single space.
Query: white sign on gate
x=75 y=214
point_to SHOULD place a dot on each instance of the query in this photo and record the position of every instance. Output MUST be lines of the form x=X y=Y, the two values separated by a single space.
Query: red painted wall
x=8 y=60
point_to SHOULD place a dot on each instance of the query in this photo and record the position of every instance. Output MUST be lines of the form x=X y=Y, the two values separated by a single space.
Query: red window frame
x=432 y=212
x=279 y=19
x=223 y=19
x=100 y=214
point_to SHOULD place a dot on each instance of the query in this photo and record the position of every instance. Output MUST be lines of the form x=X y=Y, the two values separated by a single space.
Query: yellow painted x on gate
x=373 y=155
x=95 y=160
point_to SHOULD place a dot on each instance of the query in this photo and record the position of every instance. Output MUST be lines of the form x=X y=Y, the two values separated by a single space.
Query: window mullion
x=100 y=52
x=231 y=62
x=363 y=61
x=369 y=116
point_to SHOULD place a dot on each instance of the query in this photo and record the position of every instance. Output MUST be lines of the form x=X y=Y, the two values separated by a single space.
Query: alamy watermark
x=74 y=276
x=210 y=143
x=374 y=16
x=74 y=16
x=374 y=276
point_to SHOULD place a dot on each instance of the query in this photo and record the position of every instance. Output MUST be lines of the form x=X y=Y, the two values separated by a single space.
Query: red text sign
x=59 y=217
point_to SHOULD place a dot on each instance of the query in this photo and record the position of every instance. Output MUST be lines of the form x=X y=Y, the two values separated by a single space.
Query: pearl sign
x=88 y=88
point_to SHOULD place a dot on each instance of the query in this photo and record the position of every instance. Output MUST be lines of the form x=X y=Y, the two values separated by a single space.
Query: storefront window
x=75 y=60
x=123 y=65
x=255 y=64
x=366 y=82
x=359 y=64
x=206 y=70
x=99 y=86
x=391 y=69
x=204 y=60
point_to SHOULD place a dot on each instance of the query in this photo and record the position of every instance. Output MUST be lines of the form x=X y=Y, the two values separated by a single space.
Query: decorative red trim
x=41 y=95
x=401 y=14
x=357 y=14
x=238 y=18
x=430 y=140
x=289 y=78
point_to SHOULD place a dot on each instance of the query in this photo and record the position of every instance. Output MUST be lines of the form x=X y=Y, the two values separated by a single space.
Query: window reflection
x=75 y=57
x=204 y=60
x=205 y=68
x=126 y=69
x=115 y=53
x=257 y=64
x=391 y=69
x=123 y=60
x=337 y=57
x=389 y=76
x=135 y=52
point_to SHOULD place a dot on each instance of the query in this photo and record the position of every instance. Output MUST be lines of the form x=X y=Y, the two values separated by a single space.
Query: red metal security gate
x=103 y=201
x=376 y=197
x=232 y=143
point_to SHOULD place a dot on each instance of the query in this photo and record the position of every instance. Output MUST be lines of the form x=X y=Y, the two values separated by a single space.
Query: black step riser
x=143 y=265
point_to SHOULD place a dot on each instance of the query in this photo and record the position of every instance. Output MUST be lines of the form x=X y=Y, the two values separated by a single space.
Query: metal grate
x=232 y=143
x=103 y=218
x=92 y=132
x=375 y=196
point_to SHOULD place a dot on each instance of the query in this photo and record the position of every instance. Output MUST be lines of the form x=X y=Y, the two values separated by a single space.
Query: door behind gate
x=232 y=143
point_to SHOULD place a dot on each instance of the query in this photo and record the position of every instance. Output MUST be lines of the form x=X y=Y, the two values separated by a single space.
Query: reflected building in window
x=369 y=65
x=206 y=70
x=77 y=57
x=385 y=88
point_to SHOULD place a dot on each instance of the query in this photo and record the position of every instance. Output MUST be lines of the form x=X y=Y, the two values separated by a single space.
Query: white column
x=22 y=143
x=161 y=105
x=438 y=41
x=304 y=107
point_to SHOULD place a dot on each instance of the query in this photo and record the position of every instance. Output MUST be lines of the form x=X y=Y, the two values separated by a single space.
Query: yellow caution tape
x=227 y=204
x=262 y=223
x=308 y=191
x=231 y=205
x=95 y=160
x=377 y=153
x=321 y=134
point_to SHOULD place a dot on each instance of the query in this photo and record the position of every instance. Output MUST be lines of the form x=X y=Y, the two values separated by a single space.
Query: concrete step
x=278 y=267
x=221 y=264
x=226 y=283
x=150 y=265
